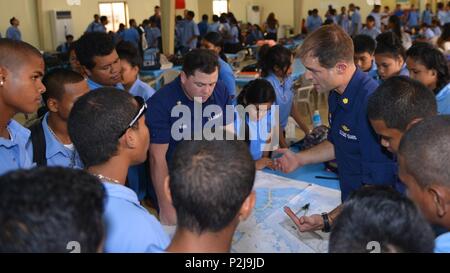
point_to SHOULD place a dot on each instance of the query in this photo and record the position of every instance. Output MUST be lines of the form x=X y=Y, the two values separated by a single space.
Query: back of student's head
x=15 y=54
x=400 y=100
x=274 y=57
x=364 y=43
x=97 y=121
x=425 y=149
x=55 y=82
x=207 y=190
x=256 y=92
x=200 y=60
x=214 y=38
x=43 y=210
x=93 y=44
x=128 y=52
x=389 y=43
x=433 y=59
x=215 y=18
x=330 y=44
x=382 y=220
x=370 y=18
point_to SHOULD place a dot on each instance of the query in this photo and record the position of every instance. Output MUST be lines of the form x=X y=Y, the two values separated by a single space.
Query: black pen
x=327 y=177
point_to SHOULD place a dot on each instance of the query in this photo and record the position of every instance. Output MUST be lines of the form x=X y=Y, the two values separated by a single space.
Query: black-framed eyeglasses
x=142 y=109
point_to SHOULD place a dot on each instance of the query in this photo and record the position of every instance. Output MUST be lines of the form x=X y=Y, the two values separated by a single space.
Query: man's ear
x=439 y=196
x=341 y=67
x=413 y=122
x=247 y=206
x=87 y=71
x=52 y=105
x=167 y=191
x=183 y=77
x=3 y=75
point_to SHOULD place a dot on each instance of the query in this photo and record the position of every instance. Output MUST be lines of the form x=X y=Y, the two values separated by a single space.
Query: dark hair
x=431 y=58
x=55 y=82
x=96 y=122
x=389 y=43
x=203 y=60
x=14 y=54
x=205 y=17
x=380 y=215
x=12 y=20
x=330 y=44
x=216 y=39
x=70 y=36
x=425 y=149
x=103 y=19
x=42 y=210
x=276 y=56
x=370 y=18
x=93 y=44
x=445 y=36
x=207 y=192
x=256 y=92
x=364 y=43
x=191 y=14
x=399 y=100
x=396 y=25
x=215 y=18
x=128 y=52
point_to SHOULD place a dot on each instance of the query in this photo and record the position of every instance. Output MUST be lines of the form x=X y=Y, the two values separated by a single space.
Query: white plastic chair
x=165 y=78
x=303 y=95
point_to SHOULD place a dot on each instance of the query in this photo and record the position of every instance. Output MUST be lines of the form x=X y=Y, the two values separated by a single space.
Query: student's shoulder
x=167 y=95
x=18 y=130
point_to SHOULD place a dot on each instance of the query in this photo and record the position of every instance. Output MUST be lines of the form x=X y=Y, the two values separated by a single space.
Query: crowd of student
x=384 y=131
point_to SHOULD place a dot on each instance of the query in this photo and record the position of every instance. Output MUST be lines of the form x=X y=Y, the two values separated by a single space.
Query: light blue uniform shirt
x=131 y=35
x=374 y=32
x=152 y=34
x=130 y=228
x=427 y=16
x=93 y=85
x=234 y=35
x=373 y=72
x=56 y=153
x=313 y=23
x=13 y=33
x=142 y=90
x=96 y=27
x=356 y=22
x=285 y=97
x=259 y=132
x=214 y=27
x=443 y=100
x=226 y=75
x=16 y=152
x=413 y=18
x=442 y=243
x=190 y=29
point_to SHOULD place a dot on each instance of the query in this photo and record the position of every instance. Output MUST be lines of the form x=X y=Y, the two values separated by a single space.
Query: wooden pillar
x=298 y=16
x=168 y=26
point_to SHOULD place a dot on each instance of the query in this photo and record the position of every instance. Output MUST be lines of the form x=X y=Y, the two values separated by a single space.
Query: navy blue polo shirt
x=360 y=157
x=160 y=121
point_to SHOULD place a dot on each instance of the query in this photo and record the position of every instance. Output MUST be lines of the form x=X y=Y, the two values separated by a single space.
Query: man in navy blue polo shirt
x=328 y=57
x=197 y=87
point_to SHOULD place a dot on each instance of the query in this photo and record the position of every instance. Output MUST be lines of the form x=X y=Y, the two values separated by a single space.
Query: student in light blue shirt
x=364 y=55
x=52 y=145
x=214 y=26
x=138 y=179
x=370 y=28
x=97 y=55
x=131 y=34
x=258 y=96
x=413 y=17
x=356 y=21
x=427 y=15
x=190 y=32
x=210 y=206
x=213 y=41
x=314 y=21
x=21 y=71
x=428 y=65
x=153 y=34
x=97 y=26
x=390 y=56
x=276 y=67
x=111 y=137
x=423 y=158
x=13 y=31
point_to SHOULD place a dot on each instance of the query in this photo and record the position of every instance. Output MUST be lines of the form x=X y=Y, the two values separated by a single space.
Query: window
x=220 y=6
x=116 y=13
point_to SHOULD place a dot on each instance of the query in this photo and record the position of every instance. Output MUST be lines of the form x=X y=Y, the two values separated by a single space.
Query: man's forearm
x=321 y=153
x=159 y=171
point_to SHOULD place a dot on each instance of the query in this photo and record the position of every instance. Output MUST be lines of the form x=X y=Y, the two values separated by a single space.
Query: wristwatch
x=326 y=222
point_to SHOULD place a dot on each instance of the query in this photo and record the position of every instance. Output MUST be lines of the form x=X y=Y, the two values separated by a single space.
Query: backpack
x=151 y=59
x=39 y=145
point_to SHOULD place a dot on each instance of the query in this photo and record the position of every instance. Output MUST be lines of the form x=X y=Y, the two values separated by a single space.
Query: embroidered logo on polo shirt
x=345 y=133
x=345 y=101
x=345 y=128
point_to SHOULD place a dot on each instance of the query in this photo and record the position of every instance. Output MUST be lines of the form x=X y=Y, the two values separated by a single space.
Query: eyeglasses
x=142 y=109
